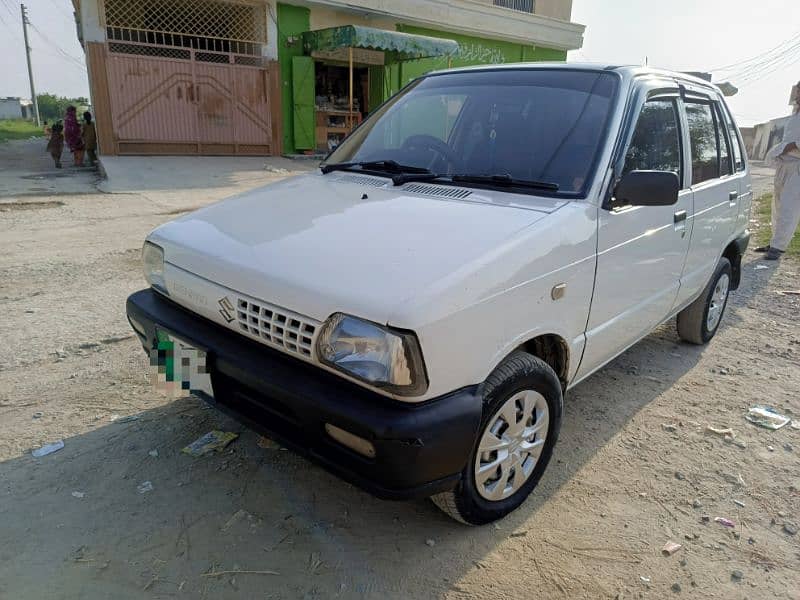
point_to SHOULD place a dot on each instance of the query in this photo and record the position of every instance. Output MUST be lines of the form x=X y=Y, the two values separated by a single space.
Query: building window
x=520 y=5
x=205 y=25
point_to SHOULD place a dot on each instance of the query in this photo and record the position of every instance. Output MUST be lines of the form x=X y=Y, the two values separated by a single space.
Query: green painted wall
x=473 y=51
x=292 y=21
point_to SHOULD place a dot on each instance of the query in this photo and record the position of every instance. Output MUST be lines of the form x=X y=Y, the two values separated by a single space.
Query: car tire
x=698 y=322
x=526 y=389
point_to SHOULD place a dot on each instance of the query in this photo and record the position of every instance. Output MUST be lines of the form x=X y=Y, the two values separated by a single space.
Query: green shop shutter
x=303 y=101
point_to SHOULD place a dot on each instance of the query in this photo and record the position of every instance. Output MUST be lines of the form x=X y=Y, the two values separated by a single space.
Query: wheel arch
x=552 y=349
x=734 y=255
x=734 y=252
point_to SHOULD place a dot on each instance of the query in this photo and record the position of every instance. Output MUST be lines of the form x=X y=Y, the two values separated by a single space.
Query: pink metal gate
x=187 y=101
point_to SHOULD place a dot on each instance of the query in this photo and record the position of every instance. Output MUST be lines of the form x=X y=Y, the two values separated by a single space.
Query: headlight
x=382 y=357
x=153 y=265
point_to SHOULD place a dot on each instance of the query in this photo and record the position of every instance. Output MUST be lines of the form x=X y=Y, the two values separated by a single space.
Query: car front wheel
x=522 y=415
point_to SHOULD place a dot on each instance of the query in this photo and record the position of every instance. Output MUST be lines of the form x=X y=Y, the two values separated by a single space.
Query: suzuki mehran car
x=411 y=314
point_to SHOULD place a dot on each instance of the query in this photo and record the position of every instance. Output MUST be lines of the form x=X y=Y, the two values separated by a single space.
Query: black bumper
x=420 y=448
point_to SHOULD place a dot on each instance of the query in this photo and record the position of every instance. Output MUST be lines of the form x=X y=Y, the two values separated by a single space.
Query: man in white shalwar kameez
x=785 y=157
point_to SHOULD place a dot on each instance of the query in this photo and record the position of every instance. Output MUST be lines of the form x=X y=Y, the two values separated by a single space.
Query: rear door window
x=703 y=140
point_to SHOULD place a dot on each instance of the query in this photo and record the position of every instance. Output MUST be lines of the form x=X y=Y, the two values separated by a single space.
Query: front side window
x=534 y=125
x=656 y=142
x=703 y=138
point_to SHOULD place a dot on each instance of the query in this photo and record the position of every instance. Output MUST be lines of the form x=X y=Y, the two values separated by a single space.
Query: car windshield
x=506 y=127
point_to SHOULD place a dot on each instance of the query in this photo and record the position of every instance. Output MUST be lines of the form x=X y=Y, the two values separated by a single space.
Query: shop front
x=339 y=77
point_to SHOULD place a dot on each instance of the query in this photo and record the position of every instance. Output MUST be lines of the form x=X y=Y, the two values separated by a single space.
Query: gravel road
x=635 y=466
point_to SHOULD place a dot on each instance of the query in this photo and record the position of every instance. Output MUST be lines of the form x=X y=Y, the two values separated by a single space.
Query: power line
x=731 y=66
x=61 y=9
x=64 y=54
x=791 y=60
x=759 y=67
x=756 y=70
x=4 y=22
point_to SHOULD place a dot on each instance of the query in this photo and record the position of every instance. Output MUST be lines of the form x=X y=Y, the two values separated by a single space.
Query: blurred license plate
x=179 y=368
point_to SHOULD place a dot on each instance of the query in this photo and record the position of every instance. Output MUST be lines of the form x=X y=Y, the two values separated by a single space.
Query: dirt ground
x=634 y=467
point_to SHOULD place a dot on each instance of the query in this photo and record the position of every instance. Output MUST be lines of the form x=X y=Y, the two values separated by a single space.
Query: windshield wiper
x=505 y=180
x=384 y=166
x=401 y=174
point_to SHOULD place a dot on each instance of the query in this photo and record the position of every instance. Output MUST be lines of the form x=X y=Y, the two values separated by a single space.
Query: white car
x=411 y=315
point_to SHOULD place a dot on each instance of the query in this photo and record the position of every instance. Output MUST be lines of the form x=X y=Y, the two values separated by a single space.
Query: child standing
x=89 y=137
x=56 y=144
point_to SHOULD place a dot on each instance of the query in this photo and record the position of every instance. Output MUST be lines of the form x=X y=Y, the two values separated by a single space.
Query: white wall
x=91 y=23
x=10 y=109
x=469 y=17
x=270 y=50
x=557 y=9
x=322 y=17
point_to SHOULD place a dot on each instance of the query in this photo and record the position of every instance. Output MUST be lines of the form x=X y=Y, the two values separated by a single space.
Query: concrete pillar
x=270 y=50
x=91 y=22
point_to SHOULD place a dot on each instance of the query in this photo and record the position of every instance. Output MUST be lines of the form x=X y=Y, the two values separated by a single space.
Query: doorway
x=332 y=102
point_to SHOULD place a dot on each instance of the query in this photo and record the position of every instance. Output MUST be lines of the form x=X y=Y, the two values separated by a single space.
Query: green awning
x=397 y=46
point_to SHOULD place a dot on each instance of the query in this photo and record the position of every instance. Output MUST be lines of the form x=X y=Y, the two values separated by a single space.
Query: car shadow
x=78 y=513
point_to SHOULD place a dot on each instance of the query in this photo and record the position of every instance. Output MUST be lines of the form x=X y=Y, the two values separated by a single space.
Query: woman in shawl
x=72 y=135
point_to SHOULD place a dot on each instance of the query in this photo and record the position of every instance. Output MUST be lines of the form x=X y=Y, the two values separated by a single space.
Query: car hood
x=318 y=244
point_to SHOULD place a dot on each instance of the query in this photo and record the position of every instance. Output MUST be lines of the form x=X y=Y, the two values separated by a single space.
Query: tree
x=52 y=107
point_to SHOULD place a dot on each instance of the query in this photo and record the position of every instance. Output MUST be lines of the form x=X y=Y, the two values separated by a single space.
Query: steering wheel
x=429 y=142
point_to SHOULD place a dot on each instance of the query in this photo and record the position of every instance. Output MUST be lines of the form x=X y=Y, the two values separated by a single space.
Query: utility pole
x=23 y=10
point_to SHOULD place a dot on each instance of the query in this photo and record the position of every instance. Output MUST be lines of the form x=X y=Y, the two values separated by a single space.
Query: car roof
x=626 y=71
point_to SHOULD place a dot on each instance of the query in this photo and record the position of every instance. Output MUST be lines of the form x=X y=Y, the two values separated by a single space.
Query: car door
x=641 y=249
x=715 y=191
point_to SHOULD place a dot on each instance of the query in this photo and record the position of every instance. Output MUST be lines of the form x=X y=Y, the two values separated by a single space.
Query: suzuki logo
x=226 y=309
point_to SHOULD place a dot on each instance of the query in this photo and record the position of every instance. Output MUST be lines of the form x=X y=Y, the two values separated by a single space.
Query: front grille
x=275 y=326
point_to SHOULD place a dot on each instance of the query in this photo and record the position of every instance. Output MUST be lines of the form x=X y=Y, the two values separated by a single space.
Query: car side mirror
x=647 y=188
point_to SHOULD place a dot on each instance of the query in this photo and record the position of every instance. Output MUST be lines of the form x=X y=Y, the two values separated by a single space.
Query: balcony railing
x=520 y=5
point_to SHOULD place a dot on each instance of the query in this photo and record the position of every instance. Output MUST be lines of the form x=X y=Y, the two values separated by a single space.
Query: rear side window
x=656 y=143
x=725 y=160
x=738 y=154
x=704 y=142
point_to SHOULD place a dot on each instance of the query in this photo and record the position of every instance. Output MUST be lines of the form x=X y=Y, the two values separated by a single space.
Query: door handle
x=680 y=216
x=732 y=196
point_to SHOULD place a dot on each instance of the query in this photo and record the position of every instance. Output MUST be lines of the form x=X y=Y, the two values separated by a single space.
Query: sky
x=52 y=70
x=702 y=35
x=696 y=35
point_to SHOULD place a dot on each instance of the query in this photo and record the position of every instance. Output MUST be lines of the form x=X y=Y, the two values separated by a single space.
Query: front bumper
x=420 y=448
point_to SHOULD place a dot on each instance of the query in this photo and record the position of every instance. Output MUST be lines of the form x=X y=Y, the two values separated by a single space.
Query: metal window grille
x=520 y=5
x=206 y=25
